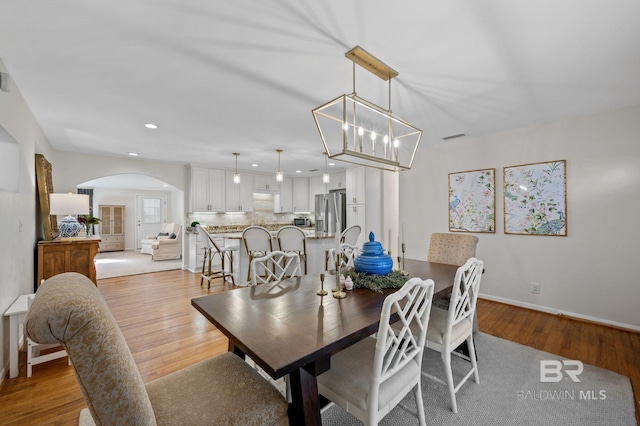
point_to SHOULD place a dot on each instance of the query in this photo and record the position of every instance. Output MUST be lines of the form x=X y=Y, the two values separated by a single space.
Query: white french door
x=151 y=214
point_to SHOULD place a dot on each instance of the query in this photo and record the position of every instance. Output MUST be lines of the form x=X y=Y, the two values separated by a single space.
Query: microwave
x=301 y=221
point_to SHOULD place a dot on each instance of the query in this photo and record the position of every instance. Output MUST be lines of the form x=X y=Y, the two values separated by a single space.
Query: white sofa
x=166 y=245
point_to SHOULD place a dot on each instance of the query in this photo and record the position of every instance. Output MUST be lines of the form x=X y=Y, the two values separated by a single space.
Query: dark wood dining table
x=286 y=328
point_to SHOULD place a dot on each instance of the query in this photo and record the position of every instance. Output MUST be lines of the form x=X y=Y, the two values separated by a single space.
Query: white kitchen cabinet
x=265 y=183
x=301 y=195
x=337 y=181
x=207 y=190
x=283 y=200
x=239 y=196
x=355 y=185
x=195 y=253
x=356 y=215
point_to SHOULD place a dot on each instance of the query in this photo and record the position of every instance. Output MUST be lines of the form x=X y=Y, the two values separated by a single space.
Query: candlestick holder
x=337 y=291
x=402 y=271
x=322 y=291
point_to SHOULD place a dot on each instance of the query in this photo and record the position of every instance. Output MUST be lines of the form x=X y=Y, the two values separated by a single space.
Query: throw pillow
x=173 y=236
x=163 y=234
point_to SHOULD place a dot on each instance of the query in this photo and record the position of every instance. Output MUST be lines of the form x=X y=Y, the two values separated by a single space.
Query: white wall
x=70 y=169
x=591 y=272
x=18 y=242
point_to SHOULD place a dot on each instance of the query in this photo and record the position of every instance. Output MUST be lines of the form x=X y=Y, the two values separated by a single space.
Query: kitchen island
x=317 y=244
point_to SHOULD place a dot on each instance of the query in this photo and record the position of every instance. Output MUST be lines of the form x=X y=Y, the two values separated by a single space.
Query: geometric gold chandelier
x=357 y=131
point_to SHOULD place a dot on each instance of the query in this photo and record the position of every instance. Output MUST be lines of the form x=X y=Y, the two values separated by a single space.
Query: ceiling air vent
x=459 y=135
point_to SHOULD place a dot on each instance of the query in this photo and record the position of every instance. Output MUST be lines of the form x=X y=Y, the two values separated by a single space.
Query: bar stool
x=349 y=236
x=257 y=242
x=212 y=249
x=291 y=239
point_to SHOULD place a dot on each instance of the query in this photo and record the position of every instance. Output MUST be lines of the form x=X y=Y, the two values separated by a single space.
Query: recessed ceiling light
x=151 y=126
x=332 y=164
x=133 y=154
x=298 y=171
x=254 y=165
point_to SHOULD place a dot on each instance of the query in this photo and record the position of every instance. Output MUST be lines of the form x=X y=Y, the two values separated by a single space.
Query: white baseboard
x=558 y=312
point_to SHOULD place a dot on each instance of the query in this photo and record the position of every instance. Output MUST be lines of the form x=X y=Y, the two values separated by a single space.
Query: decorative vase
x=373 y=259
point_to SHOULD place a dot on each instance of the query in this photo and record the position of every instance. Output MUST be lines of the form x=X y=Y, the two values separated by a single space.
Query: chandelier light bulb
x=325 y=178
x=345 y=126
x=373 y=136
x=396 y=143
x=360 y=131
x=236 y=178
x=385 y=139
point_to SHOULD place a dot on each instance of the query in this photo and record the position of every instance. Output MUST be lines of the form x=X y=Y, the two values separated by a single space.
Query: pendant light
x=236 y=176
x=325 y=176
x=358 y=131
x=279 y=176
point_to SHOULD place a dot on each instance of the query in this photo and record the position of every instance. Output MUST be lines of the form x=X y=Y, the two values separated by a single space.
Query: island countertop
x=311 y=235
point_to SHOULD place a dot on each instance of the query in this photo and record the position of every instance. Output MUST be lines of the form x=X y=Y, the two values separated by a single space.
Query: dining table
x=286 y=328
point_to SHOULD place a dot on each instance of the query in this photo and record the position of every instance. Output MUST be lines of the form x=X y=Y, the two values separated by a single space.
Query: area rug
x=511 y=392
x=121 y=263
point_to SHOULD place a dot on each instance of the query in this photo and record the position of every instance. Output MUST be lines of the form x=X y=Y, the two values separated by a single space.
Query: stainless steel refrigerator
x=330 y=207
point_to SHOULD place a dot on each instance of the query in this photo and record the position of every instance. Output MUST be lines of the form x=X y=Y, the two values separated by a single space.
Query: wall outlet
x=535 y=288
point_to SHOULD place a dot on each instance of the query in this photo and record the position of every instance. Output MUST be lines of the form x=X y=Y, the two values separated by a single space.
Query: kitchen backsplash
x=262 y=215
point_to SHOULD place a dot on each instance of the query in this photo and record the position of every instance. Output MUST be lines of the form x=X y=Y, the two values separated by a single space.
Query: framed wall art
x=535 y=199
x=472 y=201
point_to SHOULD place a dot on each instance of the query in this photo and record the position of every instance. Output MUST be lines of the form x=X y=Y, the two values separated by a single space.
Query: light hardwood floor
x=165 y=333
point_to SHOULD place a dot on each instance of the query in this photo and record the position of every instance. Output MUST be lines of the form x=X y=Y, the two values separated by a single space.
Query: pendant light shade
x=325 y=176
x=279 y=175
x=236 y=176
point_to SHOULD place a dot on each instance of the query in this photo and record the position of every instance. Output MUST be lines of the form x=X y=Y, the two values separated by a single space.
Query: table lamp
x=68 y=204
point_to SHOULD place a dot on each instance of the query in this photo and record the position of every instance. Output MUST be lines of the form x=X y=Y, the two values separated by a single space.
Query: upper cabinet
x=337 y=181
x=283 y=200
x=301 y=195
x=207 y=190
x=239 y=196
x=355 y=185
x=265 y=183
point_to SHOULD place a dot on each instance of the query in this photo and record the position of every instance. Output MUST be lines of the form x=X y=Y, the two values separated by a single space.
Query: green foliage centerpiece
x=373 y=282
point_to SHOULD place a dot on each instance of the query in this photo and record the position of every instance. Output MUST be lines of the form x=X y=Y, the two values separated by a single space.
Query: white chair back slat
x=274 y=267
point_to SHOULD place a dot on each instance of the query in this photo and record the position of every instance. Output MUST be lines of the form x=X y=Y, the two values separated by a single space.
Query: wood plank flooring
x=165 y=333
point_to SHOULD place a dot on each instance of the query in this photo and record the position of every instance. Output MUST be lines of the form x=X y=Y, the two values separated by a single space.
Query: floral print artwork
x=535 y=199
x=472 y=201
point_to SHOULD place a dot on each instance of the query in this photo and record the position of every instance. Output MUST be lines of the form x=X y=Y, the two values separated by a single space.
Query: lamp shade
x=68 y=204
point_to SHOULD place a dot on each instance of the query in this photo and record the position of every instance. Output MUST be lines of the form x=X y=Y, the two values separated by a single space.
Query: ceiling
x=219 y=76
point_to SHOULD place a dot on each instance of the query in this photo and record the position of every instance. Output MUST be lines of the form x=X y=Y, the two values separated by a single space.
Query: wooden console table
x=57 y=256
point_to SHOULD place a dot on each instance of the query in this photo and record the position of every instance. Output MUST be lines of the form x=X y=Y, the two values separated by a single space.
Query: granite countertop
x=309 y=232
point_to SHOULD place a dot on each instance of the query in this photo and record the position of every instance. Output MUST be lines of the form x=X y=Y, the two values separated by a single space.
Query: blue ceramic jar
x=373 y=259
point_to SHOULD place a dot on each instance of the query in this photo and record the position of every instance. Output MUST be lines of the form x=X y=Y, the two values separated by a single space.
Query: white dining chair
x=448 y=329
x=452 y=249
x=369 y=378
x=274 y=267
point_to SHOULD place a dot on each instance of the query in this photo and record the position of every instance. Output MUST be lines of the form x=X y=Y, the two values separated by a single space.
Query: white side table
x=16 y=314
